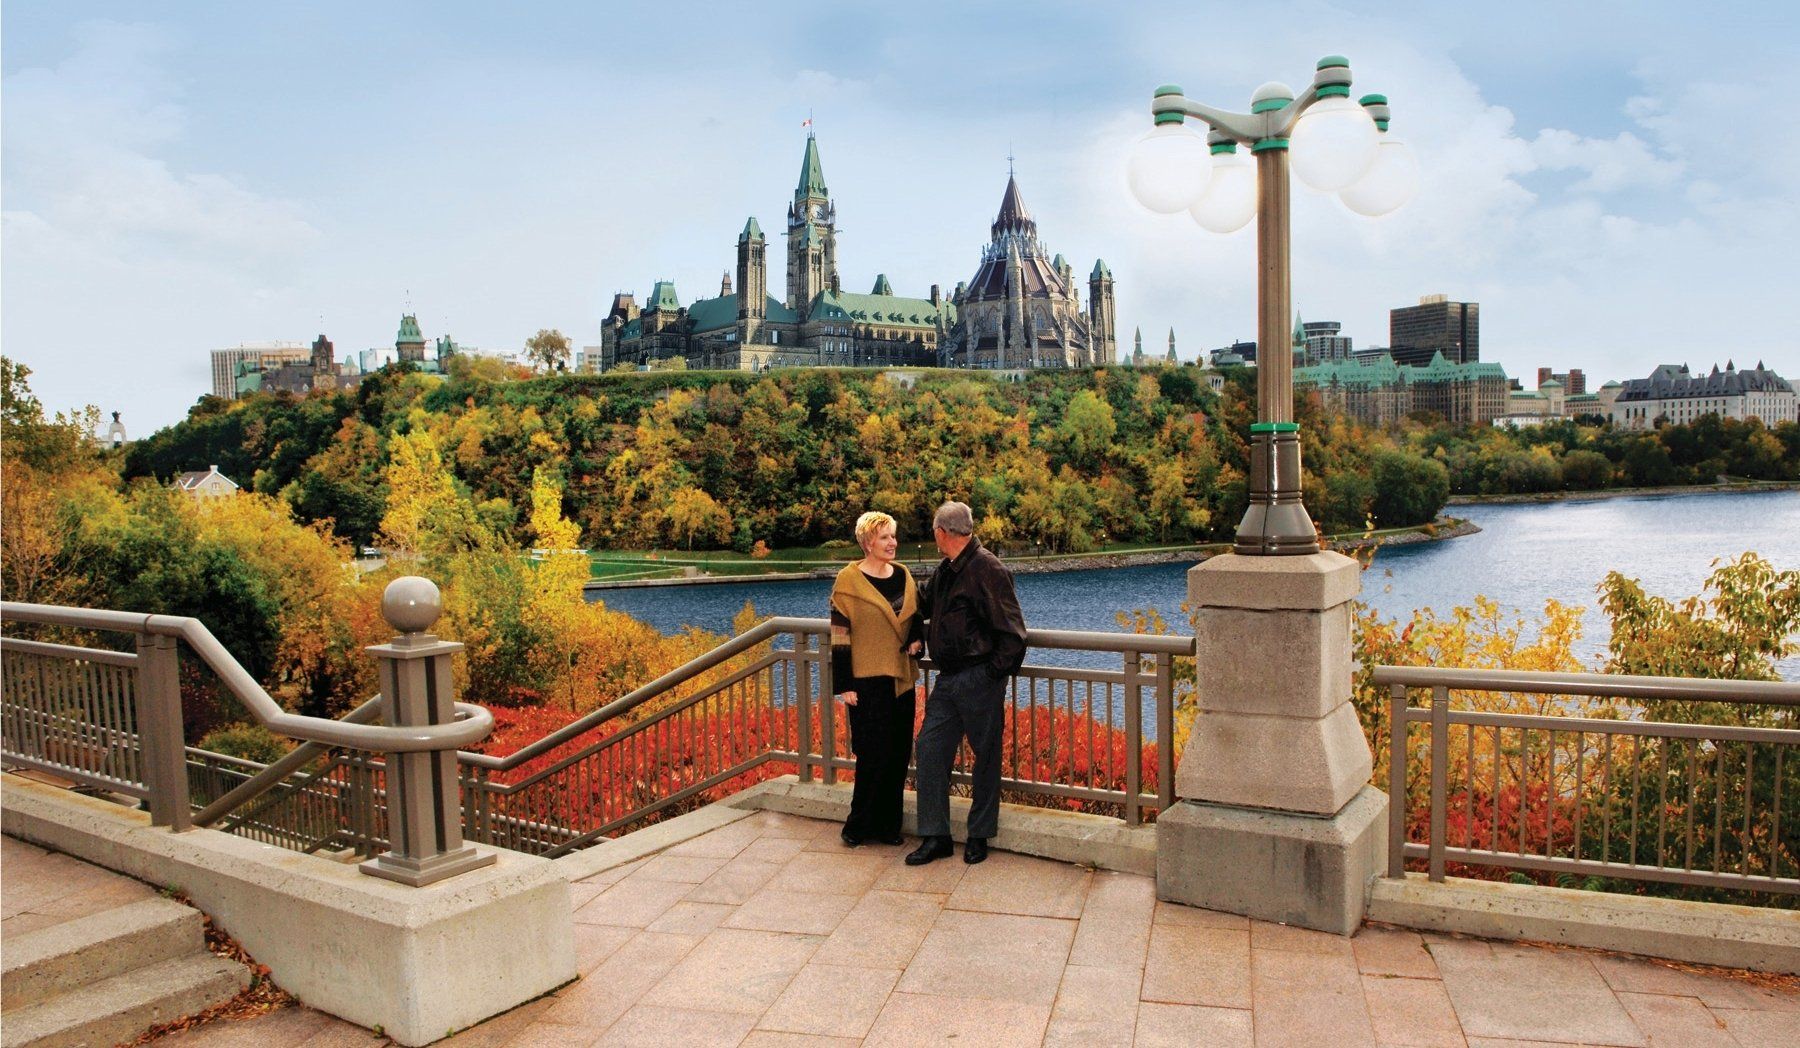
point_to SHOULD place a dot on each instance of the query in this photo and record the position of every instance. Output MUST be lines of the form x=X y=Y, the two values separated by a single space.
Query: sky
x=1618 y=185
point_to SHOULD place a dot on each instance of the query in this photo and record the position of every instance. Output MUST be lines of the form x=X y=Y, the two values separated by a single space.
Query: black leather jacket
x=972 y=614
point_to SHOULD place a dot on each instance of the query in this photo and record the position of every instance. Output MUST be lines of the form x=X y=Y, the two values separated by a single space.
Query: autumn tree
x=548 y=349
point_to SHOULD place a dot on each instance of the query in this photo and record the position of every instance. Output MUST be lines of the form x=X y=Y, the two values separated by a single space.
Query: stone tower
x=752 y=282
x=410 y=342
x=324 y=364
x=1103 y=347
x=1173 y=359
x=812 y=236
x=1137 y=348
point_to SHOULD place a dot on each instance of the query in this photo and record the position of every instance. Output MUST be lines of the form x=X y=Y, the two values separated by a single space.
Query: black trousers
x=881 y=725
x=967 y=702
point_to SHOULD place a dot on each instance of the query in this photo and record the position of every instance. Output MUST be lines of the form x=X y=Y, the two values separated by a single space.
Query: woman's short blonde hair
x=869 y=523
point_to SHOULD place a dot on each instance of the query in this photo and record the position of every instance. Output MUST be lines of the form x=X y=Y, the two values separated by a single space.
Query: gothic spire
x=812 y=176
x=1013 y=217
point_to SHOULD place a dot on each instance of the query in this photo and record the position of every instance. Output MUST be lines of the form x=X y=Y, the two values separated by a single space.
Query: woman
x=875 y=633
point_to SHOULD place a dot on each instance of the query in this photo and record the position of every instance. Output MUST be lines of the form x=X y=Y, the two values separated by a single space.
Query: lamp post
x=1336 y=145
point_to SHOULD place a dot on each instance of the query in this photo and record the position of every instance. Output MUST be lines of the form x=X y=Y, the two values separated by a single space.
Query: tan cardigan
x=876 y=635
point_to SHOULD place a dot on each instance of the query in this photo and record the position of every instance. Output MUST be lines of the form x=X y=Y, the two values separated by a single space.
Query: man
x=975 y=635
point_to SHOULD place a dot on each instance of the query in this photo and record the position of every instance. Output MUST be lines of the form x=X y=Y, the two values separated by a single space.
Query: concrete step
x=123 y=1006
x=41 y=964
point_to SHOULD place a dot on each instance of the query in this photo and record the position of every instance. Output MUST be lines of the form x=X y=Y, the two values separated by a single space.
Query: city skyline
x=1610 y=196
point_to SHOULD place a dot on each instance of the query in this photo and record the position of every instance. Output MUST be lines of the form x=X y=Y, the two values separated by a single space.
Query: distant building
x=1238 y=354
x=319 y=371
x=115 y=434
x=1383 y=391
x=1672 y=394
x=208 y=483
x=1022 y=308
x=1321 y=341
x=1573 y=381
x=226 y=363
x=1435 y=325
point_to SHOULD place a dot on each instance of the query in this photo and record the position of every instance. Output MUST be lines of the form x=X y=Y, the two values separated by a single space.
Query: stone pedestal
x=1276 y=819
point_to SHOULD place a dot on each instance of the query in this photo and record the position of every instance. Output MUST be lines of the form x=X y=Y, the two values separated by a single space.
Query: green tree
x=1408 y=489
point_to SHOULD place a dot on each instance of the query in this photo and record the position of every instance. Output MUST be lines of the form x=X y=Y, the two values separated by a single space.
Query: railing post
x=1165 y=730
x=160 y=731
x=1440 y=771
x=424 y=797
x=1134 y=742
x=827 y=712
x=803 y=699
x=1397 y=730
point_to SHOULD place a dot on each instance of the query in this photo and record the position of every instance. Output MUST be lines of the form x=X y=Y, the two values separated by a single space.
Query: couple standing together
x=967 y=617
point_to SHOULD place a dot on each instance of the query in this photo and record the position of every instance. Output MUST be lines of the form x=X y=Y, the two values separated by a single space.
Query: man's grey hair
x=954 y=517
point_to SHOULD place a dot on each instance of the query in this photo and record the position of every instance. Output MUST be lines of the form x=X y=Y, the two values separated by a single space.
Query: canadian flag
x=807 y=122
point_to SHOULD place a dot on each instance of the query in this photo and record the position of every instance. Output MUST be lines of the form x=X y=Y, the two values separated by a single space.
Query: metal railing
x=112 y=720
x=1073 y=734
x=1714 y=806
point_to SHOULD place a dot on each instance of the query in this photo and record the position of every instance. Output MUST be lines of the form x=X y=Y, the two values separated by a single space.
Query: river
x=1524 y=555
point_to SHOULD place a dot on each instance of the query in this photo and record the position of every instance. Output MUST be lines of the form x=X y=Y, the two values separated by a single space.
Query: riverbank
x=1739 y=487
x=1438 y=530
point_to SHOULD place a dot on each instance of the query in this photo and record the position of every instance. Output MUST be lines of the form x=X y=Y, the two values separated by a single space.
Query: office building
x=1435 y=325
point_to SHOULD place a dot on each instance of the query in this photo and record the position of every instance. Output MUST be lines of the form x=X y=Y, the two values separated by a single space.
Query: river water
x=1524 y=555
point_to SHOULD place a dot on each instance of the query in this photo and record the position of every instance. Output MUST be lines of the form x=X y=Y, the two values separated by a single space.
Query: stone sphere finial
x=411 y=604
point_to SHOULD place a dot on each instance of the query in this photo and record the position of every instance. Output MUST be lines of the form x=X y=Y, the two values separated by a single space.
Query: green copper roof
x=1382 y=371
x=888 y=310
x=1299 y=330
x=663 y=298
x=409 y=329
x=882 y=287
x=1100 y=270
x=810 y=238
x=812 y=177
x=752 y=231
x=1172 y=357
x=1059 y=263
x=712 y=314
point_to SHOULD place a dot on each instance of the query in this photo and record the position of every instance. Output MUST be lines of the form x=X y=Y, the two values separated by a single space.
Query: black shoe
x=850 y=840
x=975 y=850
x=930 y=850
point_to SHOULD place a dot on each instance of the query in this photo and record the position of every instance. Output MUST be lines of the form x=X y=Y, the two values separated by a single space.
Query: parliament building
x=1020 y=310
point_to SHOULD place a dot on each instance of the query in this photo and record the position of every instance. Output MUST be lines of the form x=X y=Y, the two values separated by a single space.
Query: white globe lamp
x=1229 y=202
x=1389 y=183
x=1332 y=144
x=1168 y=168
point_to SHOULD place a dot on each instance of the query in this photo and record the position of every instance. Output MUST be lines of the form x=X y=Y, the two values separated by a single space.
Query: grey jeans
x=972 y=703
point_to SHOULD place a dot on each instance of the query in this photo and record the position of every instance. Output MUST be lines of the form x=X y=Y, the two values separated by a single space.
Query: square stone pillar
x=1275 y=816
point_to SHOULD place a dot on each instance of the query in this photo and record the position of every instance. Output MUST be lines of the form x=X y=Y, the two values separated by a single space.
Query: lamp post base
x=1276 y=522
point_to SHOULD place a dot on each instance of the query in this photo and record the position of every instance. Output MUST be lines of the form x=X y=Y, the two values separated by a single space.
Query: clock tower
x=812 y=236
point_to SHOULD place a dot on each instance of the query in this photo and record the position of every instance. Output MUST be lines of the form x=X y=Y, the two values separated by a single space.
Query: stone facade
x=1025 y=311
x=1672 y=394
x=1381 y=391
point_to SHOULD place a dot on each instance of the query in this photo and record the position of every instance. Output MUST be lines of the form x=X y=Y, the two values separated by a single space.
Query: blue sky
x=1614 y=183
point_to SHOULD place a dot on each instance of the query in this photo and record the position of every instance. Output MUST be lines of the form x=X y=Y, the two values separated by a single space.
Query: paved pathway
x=768 y=932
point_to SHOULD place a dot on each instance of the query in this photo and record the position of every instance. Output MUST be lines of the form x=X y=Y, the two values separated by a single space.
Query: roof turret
x=752 y=231
x=1013 y=217
x=663 y=298
x=812 y=176
x=882 y=287
x=409 y=329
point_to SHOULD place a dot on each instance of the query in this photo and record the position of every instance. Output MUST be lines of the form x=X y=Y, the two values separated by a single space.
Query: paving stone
x=632 y=903
x=649 y=1024
x=1639 y=975
x=841 y=872
x=1179 y=915
x=781 y=824
x=552 y=1035
x=778 y=1039
x=1114 y=930
x=736 y=881
x=883 y=930
x=776 y=908
x=726 y=842
x=1097 y=995
x=689 y=868
x=594 y=943
x=1268 y=936
x=911 y=1020
x=1186 y=1025
x=830 y=1000
x=1411 y=1012
x=1198 y=965
x=692 y=918
x=1670 y=1020
x=1308 y=997
x=607 y=878
x=1525 y=993
x=936 y=878
x=773 y=849
x=1009 y=883
x=615 y=985
x=992 y=956
x=1760 y=1028
x=284 y=1028
x=1393 y=951
x=734 y=970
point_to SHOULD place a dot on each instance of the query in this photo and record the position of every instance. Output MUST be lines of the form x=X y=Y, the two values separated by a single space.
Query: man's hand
x=848 y=698
x=915 y=648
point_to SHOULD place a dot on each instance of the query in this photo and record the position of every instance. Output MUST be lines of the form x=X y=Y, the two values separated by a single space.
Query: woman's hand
x=915 y=648
x=848 y=698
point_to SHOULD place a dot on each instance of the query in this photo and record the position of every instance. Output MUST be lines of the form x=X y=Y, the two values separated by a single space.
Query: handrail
x=1074 y=640
x=643 y=693
x=273 y=775
x=472 y=724
x=1689 y=689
